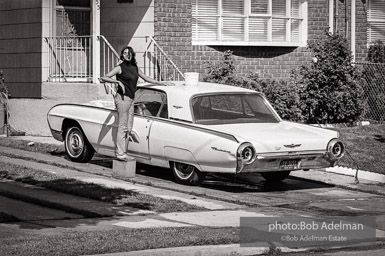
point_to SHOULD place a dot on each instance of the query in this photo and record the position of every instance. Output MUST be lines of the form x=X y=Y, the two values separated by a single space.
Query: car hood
x=280 y=137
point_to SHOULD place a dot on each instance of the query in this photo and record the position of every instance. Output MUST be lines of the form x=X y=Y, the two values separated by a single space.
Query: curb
x=361 y=174
x=344 y=179
x=208 y=250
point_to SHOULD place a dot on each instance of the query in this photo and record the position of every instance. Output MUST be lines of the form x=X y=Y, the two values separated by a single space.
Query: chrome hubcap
x=75 y=142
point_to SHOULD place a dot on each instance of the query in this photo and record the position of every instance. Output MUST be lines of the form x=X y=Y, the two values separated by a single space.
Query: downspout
x=95 y=41
x=353 y=28
x=346 y=19
x=336 y=16
x=331 y=16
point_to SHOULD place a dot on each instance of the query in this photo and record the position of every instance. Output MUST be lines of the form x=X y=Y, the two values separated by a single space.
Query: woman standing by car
x=127 y=74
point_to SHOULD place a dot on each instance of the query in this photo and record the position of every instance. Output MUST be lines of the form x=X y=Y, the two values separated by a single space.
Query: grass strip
x=51 y=205
x=13 y=142
x=120 y=197
x=114 y=241
x=366 y=146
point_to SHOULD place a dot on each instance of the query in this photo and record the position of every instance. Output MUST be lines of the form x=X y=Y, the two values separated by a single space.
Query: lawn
x=365 y=147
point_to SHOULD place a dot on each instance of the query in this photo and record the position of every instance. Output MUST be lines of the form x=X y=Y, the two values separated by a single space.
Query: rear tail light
x=245 y=155
x=336 y=149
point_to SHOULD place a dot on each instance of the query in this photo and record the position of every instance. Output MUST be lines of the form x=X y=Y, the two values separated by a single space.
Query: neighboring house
x=53 y=51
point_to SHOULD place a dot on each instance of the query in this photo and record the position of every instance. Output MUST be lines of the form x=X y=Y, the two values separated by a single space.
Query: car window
x=151 y=103
x=231 y=103
x=232 y=108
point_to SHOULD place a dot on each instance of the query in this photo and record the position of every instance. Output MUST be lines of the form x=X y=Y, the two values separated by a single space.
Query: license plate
x=289 y=164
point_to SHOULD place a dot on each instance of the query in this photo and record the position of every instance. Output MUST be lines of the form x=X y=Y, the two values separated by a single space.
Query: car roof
x=200 y=88
x=178 y=96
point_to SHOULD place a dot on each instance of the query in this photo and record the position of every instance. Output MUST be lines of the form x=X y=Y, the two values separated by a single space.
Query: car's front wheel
x=187 y=174
x=77 y=146
x=275 y=176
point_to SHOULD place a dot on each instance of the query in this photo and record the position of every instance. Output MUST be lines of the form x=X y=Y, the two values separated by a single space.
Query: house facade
x=53 y=51
x=266 y=36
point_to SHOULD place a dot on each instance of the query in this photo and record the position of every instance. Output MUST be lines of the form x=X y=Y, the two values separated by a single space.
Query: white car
x=199 y=129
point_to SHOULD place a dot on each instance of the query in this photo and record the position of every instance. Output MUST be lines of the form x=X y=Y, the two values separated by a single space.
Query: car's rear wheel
x=77 y=146
x=275 y=176
x=187 y=174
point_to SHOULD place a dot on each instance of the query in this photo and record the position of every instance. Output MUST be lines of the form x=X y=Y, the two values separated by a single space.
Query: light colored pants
x=125 y=107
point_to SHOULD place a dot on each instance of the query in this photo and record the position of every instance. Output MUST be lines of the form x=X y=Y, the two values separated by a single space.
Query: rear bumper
x=272 y=163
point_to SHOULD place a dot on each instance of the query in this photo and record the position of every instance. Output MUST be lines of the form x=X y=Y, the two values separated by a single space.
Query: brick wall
x=173 y=32
x=361 y=30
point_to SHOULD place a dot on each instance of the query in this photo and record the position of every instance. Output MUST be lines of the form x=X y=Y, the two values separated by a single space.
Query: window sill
x=238 y=43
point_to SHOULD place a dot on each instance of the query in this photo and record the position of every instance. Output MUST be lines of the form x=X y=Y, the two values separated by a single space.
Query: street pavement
x=218 y=214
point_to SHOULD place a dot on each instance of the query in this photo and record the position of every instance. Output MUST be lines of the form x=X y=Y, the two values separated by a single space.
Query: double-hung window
x=249 y=22
x=376 y=20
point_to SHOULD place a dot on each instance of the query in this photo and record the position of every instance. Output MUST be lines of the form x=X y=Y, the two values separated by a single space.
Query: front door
x=71 y=45
x=148 y=105
x=138 y=142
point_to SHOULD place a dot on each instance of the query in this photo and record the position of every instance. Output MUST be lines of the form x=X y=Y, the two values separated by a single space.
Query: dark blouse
x=129 y=77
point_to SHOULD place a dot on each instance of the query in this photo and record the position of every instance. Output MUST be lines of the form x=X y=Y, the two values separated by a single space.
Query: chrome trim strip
x=183 y=124
x=198 y=128
x=271 y=164
x=140 y=155
x=292 y=154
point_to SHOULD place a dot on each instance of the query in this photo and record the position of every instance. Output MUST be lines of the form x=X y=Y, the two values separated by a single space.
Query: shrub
x=376 y=52
x=4 y=93
x=284 y=97
x=331 y=89
x=222 y=72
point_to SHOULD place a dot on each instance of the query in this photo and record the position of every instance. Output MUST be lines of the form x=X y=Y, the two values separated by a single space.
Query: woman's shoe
x=123 y=157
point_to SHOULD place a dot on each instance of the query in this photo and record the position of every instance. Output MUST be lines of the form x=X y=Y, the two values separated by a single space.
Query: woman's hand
x=168 y=83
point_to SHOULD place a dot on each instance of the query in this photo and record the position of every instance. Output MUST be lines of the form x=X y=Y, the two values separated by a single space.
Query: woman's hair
x=131 y=51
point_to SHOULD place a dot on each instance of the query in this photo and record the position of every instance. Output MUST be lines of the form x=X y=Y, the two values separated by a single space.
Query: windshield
x=232 y=109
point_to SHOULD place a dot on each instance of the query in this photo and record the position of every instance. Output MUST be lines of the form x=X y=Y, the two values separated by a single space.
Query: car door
x=148 y=105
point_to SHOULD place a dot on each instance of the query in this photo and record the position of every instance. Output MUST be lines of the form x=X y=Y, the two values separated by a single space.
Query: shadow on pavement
x=242 y=183
x=230 y=183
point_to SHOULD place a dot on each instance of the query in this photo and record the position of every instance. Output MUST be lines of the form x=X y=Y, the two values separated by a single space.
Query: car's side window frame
x=267 y=104
x=163 y=104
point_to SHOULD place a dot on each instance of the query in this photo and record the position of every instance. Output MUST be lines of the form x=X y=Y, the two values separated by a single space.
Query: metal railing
x=109 y=58
x=373 y=77
x=69 y=58
x=158 y=65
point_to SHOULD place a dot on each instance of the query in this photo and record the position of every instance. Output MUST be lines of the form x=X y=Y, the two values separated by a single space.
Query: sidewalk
x=219 y=214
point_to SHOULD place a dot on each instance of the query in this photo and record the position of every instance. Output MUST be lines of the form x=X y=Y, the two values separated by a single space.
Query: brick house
x=54 y=51
x=273 y=48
